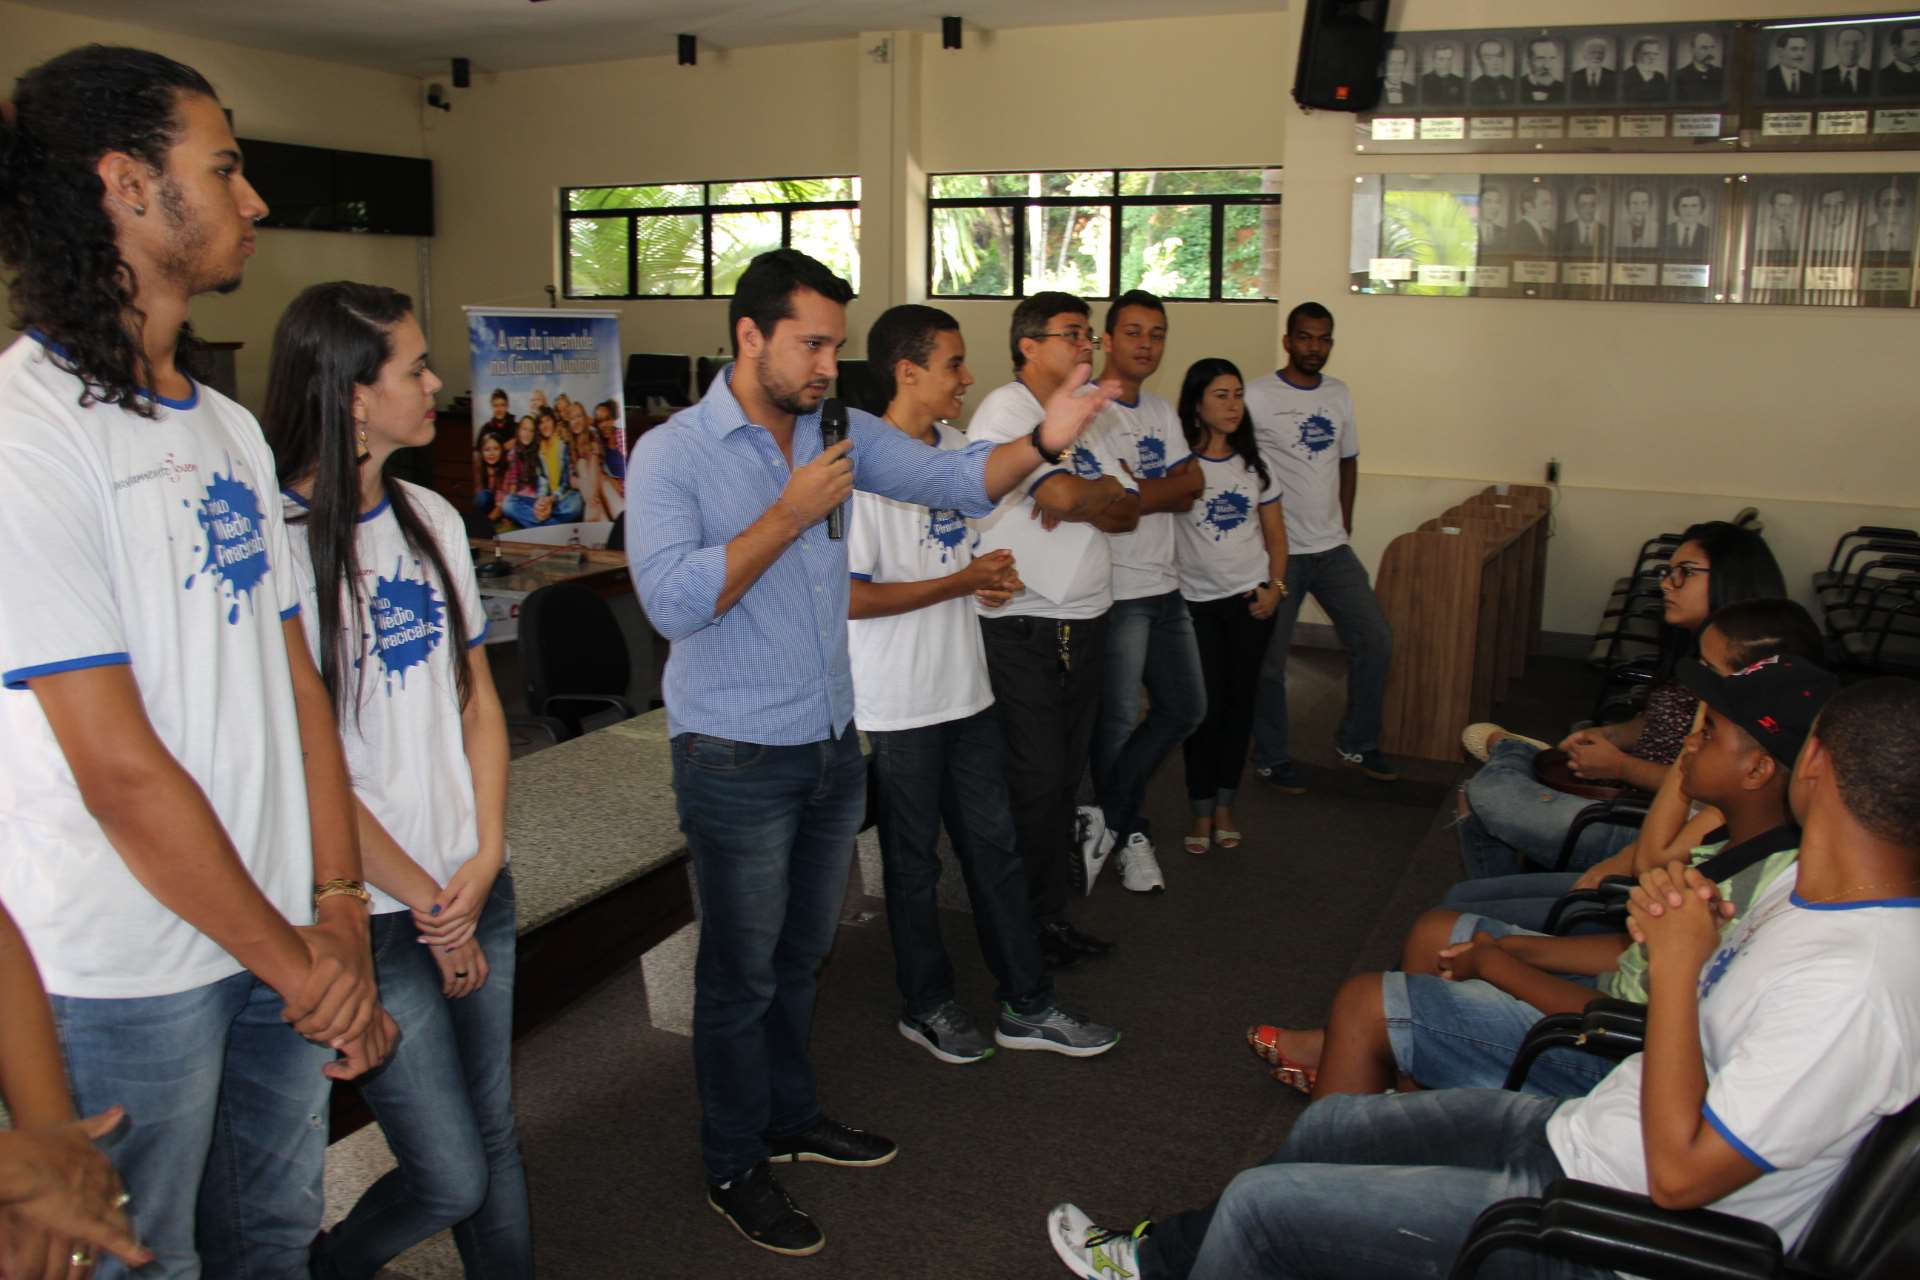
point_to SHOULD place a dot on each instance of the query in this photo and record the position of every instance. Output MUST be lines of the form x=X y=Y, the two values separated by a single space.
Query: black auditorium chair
x=574 y=655
x=1607 y=1028
x=705 y=370
x=1629 y=810
x=858 y=387
x=1864 y=1229
x=661 y=377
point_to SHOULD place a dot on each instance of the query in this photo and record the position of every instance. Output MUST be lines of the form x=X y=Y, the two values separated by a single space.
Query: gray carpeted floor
x=1323 y=887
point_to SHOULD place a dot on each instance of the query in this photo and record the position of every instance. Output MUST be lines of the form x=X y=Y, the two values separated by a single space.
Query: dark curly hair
x=70 y=282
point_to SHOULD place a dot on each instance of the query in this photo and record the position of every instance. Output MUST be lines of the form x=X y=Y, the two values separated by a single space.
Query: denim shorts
x=1464 y=1035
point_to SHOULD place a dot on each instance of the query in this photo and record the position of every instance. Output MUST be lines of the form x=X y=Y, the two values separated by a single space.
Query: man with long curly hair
x=179 y=835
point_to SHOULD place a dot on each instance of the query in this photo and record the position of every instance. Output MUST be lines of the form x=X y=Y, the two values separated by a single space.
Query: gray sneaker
x=949 y=1033
x=1054 y=1029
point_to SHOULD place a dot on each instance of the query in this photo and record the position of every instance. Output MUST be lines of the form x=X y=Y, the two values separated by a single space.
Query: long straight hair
x=333 y=338
x=1200 y=376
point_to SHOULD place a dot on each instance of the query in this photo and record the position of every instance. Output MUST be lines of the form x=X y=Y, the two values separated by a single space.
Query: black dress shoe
x=1084 y=943
x=830 y=1142
x=761 y=1210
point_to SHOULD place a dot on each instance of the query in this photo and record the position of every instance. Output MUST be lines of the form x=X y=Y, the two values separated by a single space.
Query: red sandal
x=1265 y=1042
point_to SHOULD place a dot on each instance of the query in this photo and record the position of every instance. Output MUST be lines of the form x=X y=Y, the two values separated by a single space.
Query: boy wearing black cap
x=1771 y=1050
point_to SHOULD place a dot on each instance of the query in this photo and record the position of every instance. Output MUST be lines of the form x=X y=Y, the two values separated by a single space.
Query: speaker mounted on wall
x=1342 y=43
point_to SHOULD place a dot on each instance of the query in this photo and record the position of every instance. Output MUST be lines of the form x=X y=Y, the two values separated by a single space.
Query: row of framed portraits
x=1796 y=239
x=1787 y=83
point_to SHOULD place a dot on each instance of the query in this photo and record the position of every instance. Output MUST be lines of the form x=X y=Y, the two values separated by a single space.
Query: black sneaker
x=1085 y=943
x=760 y=1209
x=1373 y=764
x=1288 y=778
x=830 y=1142
x=1056 y=952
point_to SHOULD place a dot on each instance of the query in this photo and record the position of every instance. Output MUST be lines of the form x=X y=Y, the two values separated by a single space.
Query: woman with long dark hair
x=1230 y=550
x=1509 y=818
x=393 y=614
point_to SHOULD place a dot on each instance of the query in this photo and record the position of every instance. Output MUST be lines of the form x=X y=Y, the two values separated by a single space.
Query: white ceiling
x=417 y=37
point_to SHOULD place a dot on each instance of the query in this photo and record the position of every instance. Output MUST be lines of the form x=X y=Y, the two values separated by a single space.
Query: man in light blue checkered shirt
x=731 y=559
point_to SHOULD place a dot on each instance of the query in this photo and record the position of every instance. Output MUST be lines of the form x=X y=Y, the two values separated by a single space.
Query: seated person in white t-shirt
x=179 y=844
x=1771 y=1053
x=921 y=695
x=1047 y=645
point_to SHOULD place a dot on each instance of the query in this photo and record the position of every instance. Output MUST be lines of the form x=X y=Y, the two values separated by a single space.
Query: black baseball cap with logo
x=1775 y=699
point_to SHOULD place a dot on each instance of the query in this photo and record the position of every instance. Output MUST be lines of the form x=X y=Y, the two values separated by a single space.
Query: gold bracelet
x=340 y=887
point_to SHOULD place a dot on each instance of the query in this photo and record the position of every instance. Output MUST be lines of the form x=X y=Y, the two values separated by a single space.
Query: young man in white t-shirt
x=1304 y=420
x=1771 y=1053
x=179 y=831
x=1150 y=638
x=1046 y=645
x=921 y=694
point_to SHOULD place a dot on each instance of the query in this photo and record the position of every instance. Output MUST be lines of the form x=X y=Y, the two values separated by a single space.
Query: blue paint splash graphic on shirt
x=1085 y=465
x=1153 y=458
x=945 y=530
x=236 y=538
x=1316 y=433
x=1226 y=512
x=409 y=620
x=1717 y=969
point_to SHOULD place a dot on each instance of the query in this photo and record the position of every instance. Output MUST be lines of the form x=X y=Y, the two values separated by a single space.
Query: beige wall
x=1660 y=414
x=276 y=98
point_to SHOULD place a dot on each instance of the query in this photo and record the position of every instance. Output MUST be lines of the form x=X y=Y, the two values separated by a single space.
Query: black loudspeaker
x=462 y=73
x=1341 y=46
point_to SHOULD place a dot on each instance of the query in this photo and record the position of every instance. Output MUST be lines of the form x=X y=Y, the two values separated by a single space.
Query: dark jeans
x=771 y=832
x=1338 y=581
x=1231 y=642
x=1372 y=1186
x=1150 y=641
x=1047 y=707
x=445 y=1103
x=956 y=772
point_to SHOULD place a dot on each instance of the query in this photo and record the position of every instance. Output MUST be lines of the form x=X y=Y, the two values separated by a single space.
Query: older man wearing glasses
x=1046 y=645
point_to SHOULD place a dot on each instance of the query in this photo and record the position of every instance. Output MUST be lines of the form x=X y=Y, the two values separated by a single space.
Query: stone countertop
x=588 y=815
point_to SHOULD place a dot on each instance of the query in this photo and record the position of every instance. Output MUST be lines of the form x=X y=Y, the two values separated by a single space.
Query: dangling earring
x=361 y=452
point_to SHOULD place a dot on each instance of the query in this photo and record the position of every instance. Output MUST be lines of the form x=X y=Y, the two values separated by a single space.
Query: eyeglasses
x=1679 y=573
x=1075 y=336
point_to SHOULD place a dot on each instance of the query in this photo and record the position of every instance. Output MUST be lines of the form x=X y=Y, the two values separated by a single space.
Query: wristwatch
x=1051 y=458
x=1279 y=584
x=341 y=888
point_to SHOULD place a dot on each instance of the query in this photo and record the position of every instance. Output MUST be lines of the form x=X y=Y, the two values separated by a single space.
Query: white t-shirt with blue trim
x=1810 y=1028
x=1146 y=435
x=927 y=666
x=157 y=544
x=406 y=750
x=1221 y=546
x=1068 y=570
x=1304 y=435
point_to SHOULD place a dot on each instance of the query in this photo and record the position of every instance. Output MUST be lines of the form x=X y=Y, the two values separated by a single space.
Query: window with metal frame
x=693 y=239
x=1206 y=235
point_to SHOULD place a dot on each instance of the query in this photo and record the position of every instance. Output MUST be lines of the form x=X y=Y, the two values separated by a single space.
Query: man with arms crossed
x=181 y=855
x=921 y=695
x=1303 y=420
x=731 y=558
x=1149 y=631
x=1046 y=646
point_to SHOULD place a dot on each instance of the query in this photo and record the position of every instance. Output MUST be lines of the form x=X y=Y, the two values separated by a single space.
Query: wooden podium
x=1464 y=594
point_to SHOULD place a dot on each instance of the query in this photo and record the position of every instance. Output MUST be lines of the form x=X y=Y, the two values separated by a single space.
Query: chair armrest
x=1627 y=811
x=621 y=705
x=1582 y=905
x=1606 y=1028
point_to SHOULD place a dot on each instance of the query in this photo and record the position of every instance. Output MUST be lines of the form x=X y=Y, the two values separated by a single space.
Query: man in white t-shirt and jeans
x=1150 y=639
x=1303 y=419
x=179 y=834
x=922 y=696
x=1046 y=645
x=1771 y=1054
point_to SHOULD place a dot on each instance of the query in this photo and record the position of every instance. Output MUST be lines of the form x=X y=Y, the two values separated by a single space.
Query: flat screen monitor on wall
x=320 y=189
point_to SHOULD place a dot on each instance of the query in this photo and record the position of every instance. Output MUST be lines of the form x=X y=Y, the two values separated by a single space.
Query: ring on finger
x=81 y=1257
x=122 y=1200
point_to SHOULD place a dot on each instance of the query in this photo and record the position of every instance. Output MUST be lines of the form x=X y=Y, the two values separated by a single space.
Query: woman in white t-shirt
x=393 y=613
x=1231 y=552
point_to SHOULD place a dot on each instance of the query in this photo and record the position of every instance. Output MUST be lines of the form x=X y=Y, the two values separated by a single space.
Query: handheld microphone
x=833 y=429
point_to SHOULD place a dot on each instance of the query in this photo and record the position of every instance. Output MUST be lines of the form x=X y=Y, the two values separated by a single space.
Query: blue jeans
x=1338 y=581
x=1464 y=1035
x=445 y=1102
x=226 y=1124
x=1524 y=899
x=771 y=832
x=956 y=771
x=568 y=506
x=1518 y=823
x=1150 y=641
x=1369 y=1187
